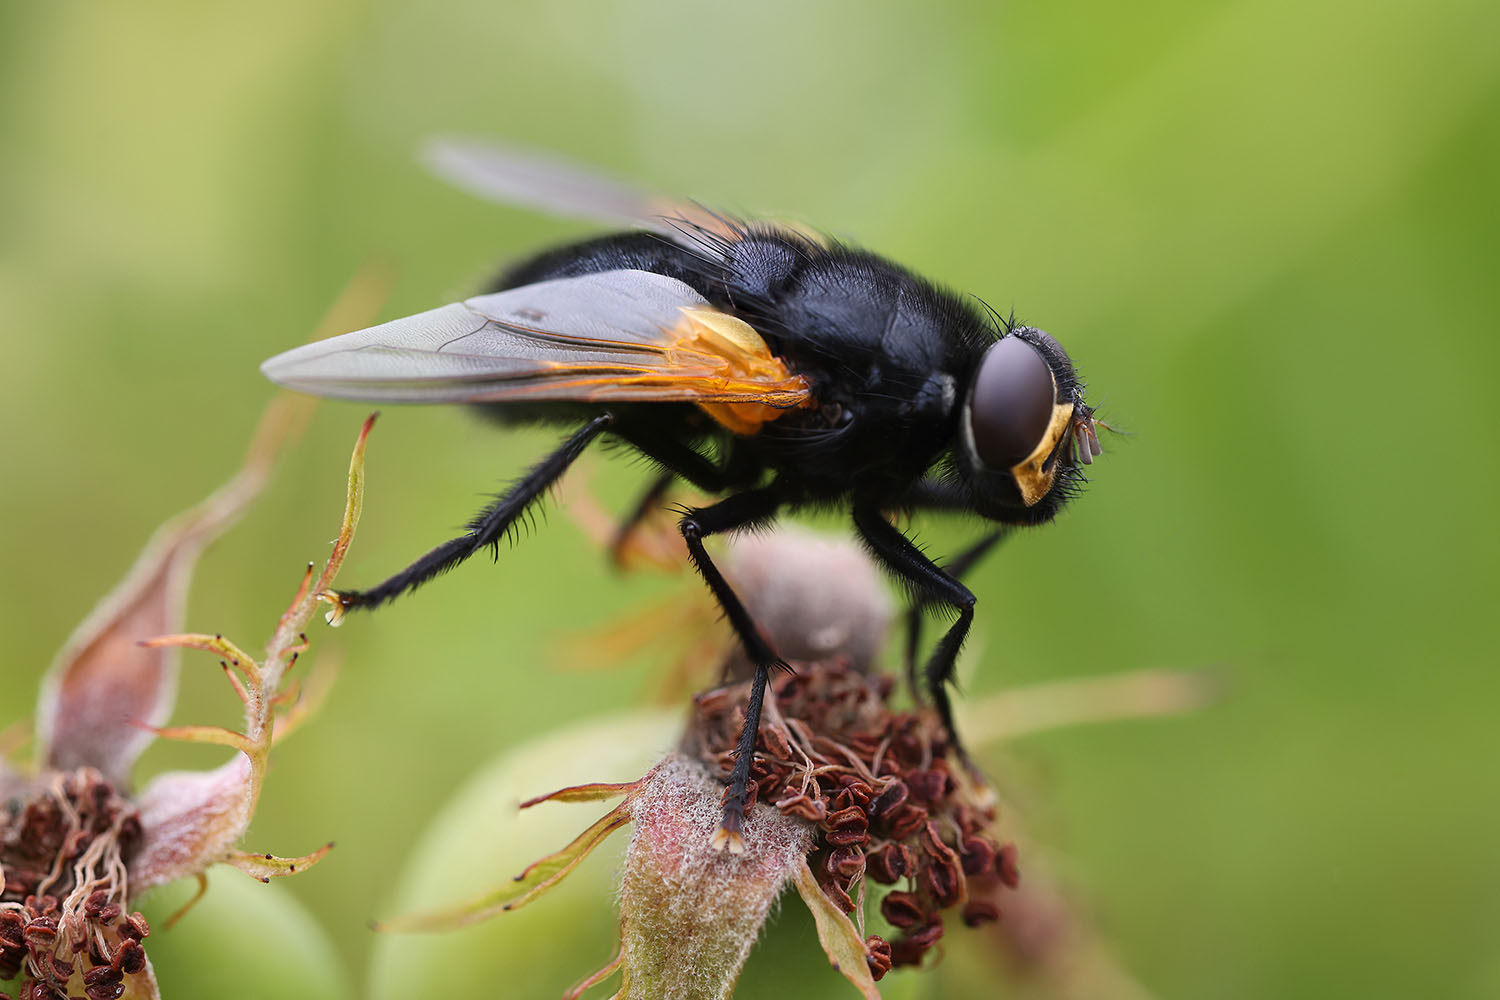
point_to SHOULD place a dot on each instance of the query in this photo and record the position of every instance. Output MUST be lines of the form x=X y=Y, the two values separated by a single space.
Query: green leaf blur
x=1265 y=230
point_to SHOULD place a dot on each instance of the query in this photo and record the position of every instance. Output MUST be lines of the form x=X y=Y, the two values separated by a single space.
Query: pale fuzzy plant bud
x=819 y=599
x=689 y=913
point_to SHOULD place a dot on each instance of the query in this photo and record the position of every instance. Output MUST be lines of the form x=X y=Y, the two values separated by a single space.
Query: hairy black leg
x=674 y=456
x=677 y=460
x=929 y=581
x=487 y=527
x=957 y=567
x=739 y=511
x=649 y=501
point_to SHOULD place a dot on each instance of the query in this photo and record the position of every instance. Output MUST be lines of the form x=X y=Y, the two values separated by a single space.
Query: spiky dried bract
x=75 y=848
x=539 y=877
x=196 y=818
x=690 y=913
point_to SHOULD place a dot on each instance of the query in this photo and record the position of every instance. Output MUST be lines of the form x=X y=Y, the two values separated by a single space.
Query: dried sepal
x=217 y=735
x=592 y=792
x=264 y=867
x=198 y=892
x=298 y=615
x=847 y=951
x=544 y=873
x=536 y=879
x=215 y=644
x=615 y=964
x=300 y=611
x=1057 y=704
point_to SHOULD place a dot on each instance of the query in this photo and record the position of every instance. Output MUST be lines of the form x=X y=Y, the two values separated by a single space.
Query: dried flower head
x=77 y=846
x=887 y=803
x=858 y=805
x=843 y=786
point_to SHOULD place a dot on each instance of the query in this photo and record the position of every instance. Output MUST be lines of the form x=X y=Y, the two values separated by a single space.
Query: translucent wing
x=624 y=335
x=516 y=176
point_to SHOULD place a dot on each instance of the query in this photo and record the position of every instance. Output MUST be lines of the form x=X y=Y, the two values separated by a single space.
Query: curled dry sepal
x=76 y=846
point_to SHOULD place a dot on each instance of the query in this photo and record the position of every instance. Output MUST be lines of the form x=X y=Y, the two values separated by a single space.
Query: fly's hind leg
x=677 y=460
x=625 y=534
x=487 y=527
x=739 y=511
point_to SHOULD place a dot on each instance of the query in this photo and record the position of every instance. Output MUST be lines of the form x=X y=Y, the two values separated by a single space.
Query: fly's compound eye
x=1011 y=407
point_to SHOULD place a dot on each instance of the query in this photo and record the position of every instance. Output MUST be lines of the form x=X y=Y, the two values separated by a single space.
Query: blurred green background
x=1267 y=231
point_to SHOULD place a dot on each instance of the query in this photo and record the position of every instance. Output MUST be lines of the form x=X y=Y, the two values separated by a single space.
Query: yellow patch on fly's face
x=1031 y=479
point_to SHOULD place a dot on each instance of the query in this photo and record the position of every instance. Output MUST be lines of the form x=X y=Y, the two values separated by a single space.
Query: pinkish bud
x=689 y=913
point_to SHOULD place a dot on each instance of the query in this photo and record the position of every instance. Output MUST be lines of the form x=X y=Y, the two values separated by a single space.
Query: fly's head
x=1024 y=430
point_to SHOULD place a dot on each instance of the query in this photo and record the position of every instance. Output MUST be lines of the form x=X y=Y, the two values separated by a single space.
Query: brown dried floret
x=889 y=862
x=877 y=783
x=1005 y=865
x=877 y=956
x=902 y=909
x=977 y=912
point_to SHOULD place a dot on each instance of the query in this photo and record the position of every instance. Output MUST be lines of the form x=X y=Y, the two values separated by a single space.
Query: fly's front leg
x=937 y=494
x=930 y=582
x=957 y=567
x=739 y=511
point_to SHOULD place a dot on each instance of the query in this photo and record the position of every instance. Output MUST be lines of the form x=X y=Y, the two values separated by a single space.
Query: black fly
x=761 y=363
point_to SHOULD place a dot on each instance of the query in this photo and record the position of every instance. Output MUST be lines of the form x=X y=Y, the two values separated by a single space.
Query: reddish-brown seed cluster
x=878 y=784
x=63 y=849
